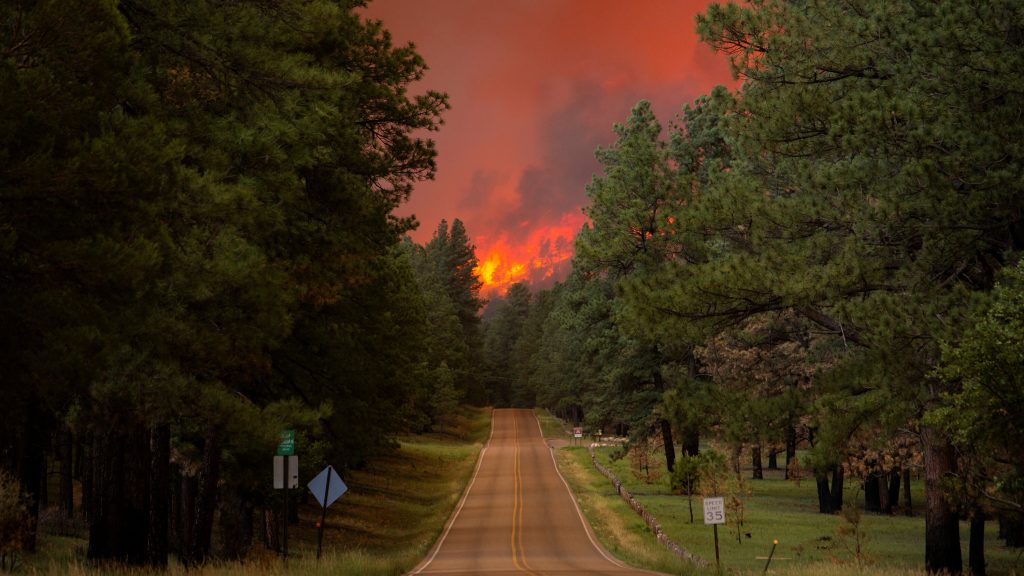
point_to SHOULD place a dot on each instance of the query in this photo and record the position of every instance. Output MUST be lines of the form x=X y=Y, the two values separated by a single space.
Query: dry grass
x=619 y=530
x=384 y=525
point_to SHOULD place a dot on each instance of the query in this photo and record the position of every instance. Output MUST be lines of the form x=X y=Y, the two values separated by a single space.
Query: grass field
x=809 y=542
x=384 y=525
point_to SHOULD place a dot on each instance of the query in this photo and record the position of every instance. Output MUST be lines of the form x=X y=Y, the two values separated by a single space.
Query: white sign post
x=286 y=477
x=714 y=514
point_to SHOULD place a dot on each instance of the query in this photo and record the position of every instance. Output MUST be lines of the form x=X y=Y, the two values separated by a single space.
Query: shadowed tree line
x=827 y=256
x=197 y=251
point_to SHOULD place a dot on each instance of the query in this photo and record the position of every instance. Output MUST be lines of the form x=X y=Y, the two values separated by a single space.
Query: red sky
x=535 y=87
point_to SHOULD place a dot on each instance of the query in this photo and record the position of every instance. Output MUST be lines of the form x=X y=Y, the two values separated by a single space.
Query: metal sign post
x=287 y=487
x=714 y=514
x=327 y=487
x=775 y=543
x=286 y=451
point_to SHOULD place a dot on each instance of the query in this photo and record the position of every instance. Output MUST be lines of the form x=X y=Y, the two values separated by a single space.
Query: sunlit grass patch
x=617 y=527
x=385 y=524
x=550 y=426
x=808 y=541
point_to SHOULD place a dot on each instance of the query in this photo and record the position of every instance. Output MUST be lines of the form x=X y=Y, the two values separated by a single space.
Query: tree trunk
x=206 y=499
x=271 y=537
x=883 y=493
x=838 y=476
x=32 y=462
x=690 y=438
x=85 y=473
x=908 y=505
x=159 y=495
x=976 y=550
x=773 y=460
x=824 y=494
x=186 y=517
x=44 y=482
x=67 y=491
x=942 y=526
x=690 y=431
x=872 y=501
x=174 y=511
x=119 y=515
x=790 y=447
x=670 y=448
x=894 y=491
x=755 y=459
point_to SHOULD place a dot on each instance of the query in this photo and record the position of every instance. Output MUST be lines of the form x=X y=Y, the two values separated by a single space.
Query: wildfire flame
x=542 y=258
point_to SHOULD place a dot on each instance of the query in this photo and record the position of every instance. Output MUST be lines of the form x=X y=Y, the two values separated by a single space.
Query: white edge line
x=586 y=525
x=462 y=502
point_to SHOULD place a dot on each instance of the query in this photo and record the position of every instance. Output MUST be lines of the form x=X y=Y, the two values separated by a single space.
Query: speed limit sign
x=714 y=510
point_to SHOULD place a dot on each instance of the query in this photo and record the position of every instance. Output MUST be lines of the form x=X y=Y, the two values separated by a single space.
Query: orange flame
x=543 y=254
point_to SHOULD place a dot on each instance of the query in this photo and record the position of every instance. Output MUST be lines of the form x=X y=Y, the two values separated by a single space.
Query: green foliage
x=628 y=203
x=444 y=270
x=698 y=474
x=502 y=336
x=868 y=192
x=196 y=236
x=984 y=414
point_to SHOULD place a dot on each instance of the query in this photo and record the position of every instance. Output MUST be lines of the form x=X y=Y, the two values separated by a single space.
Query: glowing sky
x=535 y=87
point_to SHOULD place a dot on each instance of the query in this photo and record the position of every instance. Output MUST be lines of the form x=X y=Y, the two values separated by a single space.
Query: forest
x=827 y=257
x=199 y=249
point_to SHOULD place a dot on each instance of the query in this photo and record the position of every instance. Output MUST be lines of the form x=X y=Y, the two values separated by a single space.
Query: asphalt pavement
x=518 y=515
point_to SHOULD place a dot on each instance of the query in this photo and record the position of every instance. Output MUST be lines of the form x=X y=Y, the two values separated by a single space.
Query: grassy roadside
x=618 y=529
x=810 y=544
x=393 y=513
x=808 y=541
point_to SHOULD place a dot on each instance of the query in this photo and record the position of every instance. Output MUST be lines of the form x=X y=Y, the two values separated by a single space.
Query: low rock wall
x=651 y=521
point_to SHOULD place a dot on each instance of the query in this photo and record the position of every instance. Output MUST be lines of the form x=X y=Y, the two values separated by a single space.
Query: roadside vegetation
x=786 y=510
x=394 y=511
x=818 y=268
x=773 y=508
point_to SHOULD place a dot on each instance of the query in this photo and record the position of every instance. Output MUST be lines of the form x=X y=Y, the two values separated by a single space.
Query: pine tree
x=195 y=230
x=452 y=256
x=502 y=334
x=870 y=192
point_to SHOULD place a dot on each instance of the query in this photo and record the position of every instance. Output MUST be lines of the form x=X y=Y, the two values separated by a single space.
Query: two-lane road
x=518 y=516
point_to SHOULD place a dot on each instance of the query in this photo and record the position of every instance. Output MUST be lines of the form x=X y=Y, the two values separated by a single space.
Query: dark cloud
x=481 y=187
x=569 y=139
x=535 y=87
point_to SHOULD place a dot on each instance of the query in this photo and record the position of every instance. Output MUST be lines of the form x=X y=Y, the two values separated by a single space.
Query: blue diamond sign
x=327 y=486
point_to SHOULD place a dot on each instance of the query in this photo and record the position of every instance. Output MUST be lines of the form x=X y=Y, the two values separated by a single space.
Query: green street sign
x=287 y=445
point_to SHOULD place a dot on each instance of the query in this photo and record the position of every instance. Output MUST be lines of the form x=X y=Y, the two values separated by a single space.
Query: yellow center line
x=518 y=551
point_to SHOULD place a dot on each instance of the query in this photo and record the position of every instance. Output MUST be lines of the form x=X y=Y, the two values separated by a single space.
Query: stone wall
x=651 y=521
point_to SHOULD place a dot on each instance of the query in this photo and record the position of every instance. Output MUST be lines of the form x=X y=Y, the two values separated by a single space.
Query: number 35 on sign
x=714 y=510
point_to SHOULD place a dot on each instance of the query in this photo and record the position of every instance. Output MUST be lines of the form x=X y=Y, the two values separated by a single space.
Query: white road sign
x=293 y=471
x=714 y=510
